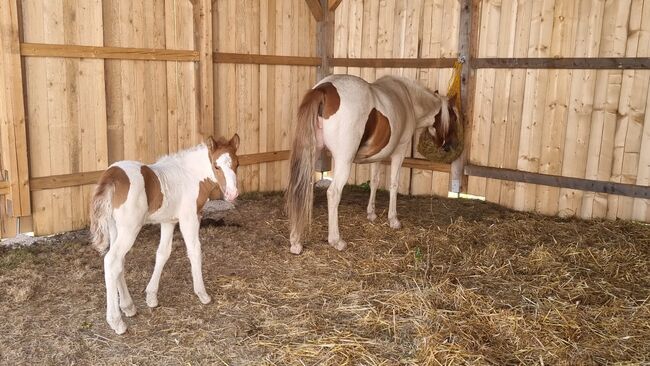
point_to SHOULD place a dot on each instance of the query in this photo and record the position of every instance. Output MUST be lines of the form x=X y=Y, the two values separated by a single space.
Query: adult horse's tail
x=101 y=208
x=300 y=192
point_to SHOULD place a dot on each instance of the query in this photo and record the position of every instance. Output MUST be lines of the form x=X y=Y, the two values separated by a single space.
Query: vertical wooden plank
x=554 y=126
x=91 y=103
x=606 y=97
x=502 y=84
x=264 y=84
x=488 y=44
x=203 y=22
x=37 y=114
x=114 y=107
x=580 y=105
x=533 y=105
x=158 y=76
x=627 y=142
x=253 y=122
x=641 y=207
x=57 y=116
x=430 y=32
x=12 y=116
x=355 y=33
x=515 y=101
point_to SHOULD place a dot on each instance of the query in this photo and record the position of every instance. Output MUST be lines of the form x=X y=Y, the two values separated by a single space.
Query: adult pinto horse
x=358 y=122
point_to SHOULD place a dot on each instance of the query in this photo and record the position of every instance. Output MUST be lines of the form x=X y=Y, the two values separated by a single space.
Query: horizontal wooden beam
x=561 y=63
x=79 y=179
x=246 y=58
x=5 y=187
x=423 y=164
x=394 y=62
x=264 y=157
x=118 y=53
x=629 y=190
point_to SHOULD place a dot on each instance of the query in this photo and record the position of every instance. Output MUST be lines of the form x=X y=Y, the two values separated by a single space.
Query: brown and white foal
x=130 y=194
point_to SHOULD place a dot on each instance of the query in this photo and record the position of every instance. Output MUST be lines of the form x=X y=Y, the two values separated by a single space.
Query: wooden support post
x=12 y=113
x=325 y=50
x=468 y=43
x=203 y=29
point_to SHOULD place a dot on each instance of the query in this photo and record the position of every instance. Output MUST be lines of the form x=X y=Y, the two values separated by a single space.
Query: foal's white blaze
x=225 y=163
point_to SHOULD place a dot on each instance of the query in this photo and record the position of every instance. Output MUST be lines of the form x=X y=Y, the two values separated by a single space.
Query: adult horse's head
x=223 y=155
x=443 y=129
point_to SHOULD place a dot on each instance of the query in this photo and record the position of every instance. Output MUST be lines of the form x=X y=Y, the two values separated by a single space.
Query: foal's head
x=443 y=129
x=223 y=154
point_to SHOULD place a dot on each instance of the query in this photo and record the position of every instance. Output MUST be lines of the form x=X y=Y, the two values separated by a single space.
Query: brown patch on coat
x=331 y=100
x=152 y=189
x=375 y=136
x=206 y=187
x=116 y=177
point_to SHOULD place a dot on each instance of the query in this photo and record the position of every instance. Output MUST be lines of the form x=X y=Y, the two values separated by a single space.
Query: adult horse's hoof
x=339 y=244
x=130 y=310
x=372 y=216
x=204 y=298
x=152 y=300
x=118 y=325
x=394 y=223
x=296 y=248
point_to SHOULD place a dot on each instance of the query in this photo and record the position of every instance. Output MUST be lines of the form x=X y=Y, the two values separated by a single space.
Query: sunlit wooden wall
x=575 y=123
x=260 y=102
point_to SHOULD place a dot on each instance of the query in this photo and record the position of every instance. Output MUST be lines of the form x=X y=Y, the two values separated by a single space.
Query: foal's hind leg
x=113 y=267
x=126 y=302
x=162 y=255
x=395 y=164
x=341 y=173
x=189 y=225
x=374 y=182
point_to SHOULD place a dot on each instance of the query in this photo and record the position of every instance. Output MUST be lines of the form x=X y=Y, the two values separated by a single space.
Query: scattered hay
x=462 y=282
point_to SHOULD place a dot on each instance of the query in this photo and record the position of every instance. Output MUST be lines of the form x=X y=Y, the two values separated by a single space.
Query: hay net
x=426 y=144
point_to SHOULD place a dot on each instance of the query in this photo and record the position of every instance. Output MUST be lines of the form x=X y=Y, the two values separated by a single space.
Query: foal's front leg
x=395 y=164
x=162 y=255
x=189 y=225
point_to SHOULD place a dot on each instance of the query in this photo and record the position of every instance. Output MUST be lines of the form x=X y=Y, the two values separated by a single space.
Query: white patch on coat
x=225 y=163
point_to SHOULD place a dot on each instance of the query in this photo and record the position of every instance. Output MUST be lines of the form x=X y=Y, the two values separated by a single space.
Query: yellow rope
x=453 y=91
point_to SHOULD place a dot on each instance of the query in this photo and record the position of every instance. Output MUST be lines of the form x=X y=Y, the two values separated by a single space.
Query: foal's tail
x=300 y=193
x=101 y=208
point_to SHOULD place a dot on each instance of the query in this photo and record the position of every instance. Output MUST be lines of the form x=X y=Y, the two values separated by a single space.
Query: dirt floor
x=462 y=282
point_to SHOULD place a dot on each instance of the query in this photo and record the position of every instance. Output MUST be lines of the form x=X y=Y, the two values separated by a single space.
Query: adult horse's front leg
x=341 y=173
x=395 y=164
x=374 y=182
x=189 y=225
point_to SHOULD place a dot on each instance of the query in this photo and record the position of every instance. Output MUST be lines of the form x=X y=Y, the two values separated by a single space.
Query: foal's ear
x=234 y=141
x=210 y=143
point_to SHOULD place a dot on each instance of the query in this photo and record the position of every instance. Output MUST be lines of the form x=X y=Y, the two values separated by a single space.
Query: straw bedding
x=462 y=282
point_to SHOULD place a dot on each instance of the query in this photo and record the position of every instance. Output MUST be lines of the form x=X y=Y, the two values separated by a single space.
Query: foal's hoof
x=372 y=216
x=119 y=326
x=152 y=300
x=204 y=298
x=296 y=248
x=394 y=223
x=339 y=244
x=130 y=310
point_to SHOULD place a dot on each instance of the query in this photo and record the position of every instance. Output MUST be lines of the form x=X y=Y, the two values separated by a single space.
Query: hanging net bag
x=434 y=151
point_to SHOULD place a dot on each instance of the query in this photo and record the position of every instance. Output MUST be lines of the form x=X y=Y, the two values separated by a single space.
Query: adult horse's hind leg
x=162 y=255
x=341 y=173
x=189 y=225
x=395 y=164
x=374 y=182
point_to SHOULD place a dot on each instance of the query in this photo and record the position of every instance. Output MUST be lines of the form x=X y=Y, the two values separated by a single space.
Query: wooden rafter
x=333 y=4
x=316 y=9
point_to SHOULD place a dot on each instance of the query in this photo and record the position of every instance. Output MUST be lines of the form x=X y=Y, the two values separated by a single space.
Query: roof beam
x=316 y=9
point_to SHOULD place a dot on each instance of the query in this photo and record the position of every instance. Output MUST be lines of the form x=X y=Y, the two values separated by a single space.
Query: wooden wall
x=399 y=29
x=576 y=123
x=83 y=114
x=260 y=102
